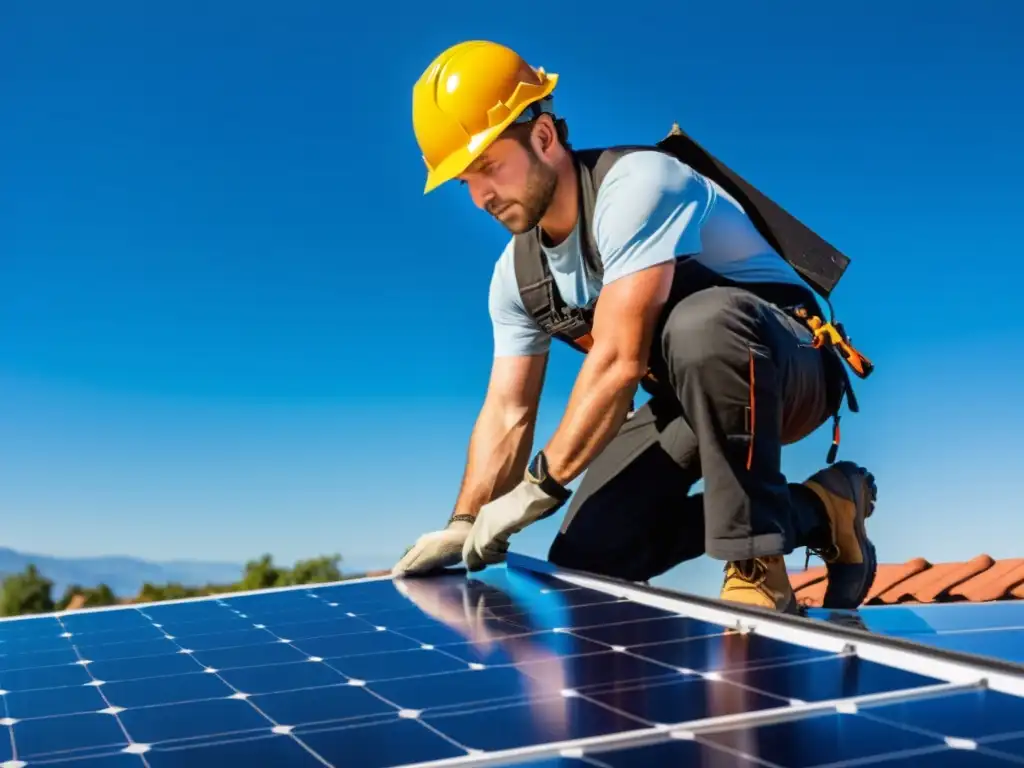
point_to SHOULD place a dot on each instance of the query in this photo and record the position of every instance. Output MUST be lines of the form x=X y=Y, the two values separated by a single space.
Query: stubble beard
x=524 y=214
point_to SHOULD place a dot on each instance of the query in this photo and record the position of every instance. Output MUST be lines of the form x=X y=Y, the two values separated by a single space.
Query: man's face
x=512 y=183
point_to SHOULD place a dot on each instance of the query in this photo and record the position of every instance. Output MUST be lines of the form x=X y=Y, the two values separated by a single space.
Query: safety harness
x=819 y=263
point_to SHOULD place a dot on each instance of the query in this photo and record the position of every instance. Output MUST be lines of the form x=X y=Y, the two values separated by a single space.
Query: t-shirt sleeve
x=649 y=210
x=515 y=332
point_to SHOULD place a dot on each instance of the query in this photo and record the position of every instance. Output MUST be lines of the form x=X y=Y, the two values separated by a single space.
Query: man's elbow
x=624 y=369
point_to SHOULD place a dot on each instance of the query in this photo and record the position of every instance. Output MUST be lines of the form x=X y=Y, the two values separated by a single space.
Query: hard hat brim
x=457 y=162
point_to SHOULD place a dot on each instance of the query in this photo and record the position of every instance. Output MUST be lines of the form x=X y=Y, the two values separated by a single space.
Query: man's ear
x=544 y=136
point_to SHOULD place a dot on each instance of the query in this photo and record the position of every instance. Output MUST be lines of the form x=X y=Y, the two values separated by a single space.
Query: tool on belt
x=833 y=335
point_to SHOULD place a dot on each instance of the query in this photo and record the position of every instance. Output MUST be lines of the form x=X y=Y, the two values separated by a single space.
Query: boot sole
x=865 y=494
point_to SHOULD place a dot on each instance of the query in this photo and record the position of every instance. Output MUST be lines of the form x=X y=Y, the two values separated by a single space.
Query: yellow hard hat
x=464 y=100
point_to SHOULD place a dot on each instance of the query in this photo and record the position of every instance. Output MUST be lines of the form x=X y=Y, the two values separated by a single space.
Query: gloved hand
x=496 y=521
x=437 y=549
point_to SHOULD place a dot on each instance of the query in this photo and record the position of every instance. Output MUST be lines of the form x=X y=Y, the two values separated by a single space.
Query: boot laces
x=828 y=553
x=752 y=571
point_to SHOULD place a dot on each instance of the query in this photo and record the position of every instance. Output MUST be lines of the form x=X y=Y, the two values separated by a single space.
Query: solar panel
x=995 y=630
x=519 y=665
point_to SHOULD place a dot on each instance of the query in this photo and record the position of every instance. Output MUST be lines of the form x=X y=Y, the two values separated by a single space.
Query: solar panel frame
x=957 y=672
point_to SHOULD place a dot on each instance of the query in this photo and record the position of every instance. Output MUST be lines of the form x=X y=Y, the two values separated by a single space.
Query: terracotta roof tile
x=801 y=579
x=889 y=576
x=993 y=583
x=980 y=579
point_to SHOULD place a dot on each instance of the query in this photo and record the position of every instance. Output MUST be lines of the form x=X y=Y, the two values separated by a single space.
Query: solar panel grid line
x=888 y=651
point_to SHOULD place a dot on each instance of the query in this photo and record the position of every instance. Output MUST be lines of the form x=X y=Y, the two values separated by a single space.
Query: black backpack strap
x=541 y=298
x=820 y=263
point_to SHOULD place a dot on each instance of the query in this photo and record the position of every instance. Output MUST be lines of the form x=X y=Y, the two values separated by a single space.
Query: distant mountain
x=124 y=575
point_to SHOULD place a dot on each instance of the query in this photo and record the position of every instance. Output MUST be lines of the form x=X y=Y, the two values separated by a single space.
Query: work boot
x=847 y=493
x=762 y=582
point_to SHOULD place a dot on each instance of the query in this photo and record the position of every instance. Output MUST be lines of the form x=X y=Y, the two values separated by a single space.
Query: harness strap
x=833 y=336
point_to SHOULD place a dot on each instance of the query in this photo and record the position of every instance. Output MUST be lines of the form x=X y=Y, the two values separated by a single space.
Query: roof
x=978 y=580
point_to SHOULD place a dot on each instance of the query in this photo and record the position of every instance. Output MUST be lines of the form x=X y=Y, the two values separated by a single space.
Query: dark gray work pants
x=743 y=379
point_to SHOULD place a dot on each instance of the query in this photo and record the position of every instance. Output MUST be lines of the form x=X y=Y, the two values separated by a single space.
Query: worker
x=694 y=305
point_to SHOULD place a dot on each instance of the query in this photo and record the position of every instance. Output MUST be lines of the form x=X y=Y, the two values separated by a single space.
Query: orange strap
x=833 y=335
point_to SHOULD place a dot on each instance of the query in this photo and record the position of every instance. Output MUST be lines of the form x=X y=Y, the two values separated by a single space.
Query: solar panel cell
x=584 y=615
x=683 y=698
x=536 y=722
x=83 y=734
x=232 y=657
x=651 y=631
x=594 y=669
x=458 y=689
x=47 y=702
x=727 y=650
x=269 y=749
x=822 y=739
x=141 y=667
x=970 y=715
x=281 y=677
x=29 y=678
x=520 y=647
x=828 y=678
x=1006 y=644
x=306 y=707
x=379 y=744
x=397 y=664
x=191 y=720
x=355 y=644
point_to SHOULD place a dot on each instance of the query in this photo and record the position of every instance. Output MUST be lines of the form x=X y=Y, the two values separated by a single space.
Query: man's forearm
x=597 y=408
x=499 y=450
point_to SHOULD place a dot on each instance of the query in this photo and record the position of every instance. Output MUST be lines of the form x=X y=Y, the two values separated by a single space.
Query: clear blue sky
x=231 y=323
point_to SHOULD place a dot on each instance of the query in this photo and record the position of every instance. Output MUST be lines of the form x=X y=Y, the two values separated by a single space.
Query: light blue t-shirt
x=650 y=208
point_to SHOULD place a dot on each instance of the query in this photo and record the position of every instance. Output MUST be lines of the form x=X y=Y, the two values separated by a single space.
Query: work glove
x=434 y=550
x=496 y=521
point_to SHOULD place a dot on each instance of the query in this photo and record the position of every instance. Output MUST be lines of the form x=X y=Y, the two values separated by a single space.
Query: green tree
x=260 y=574
x=313 y=571
x=98 y=596
x=26 y=592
